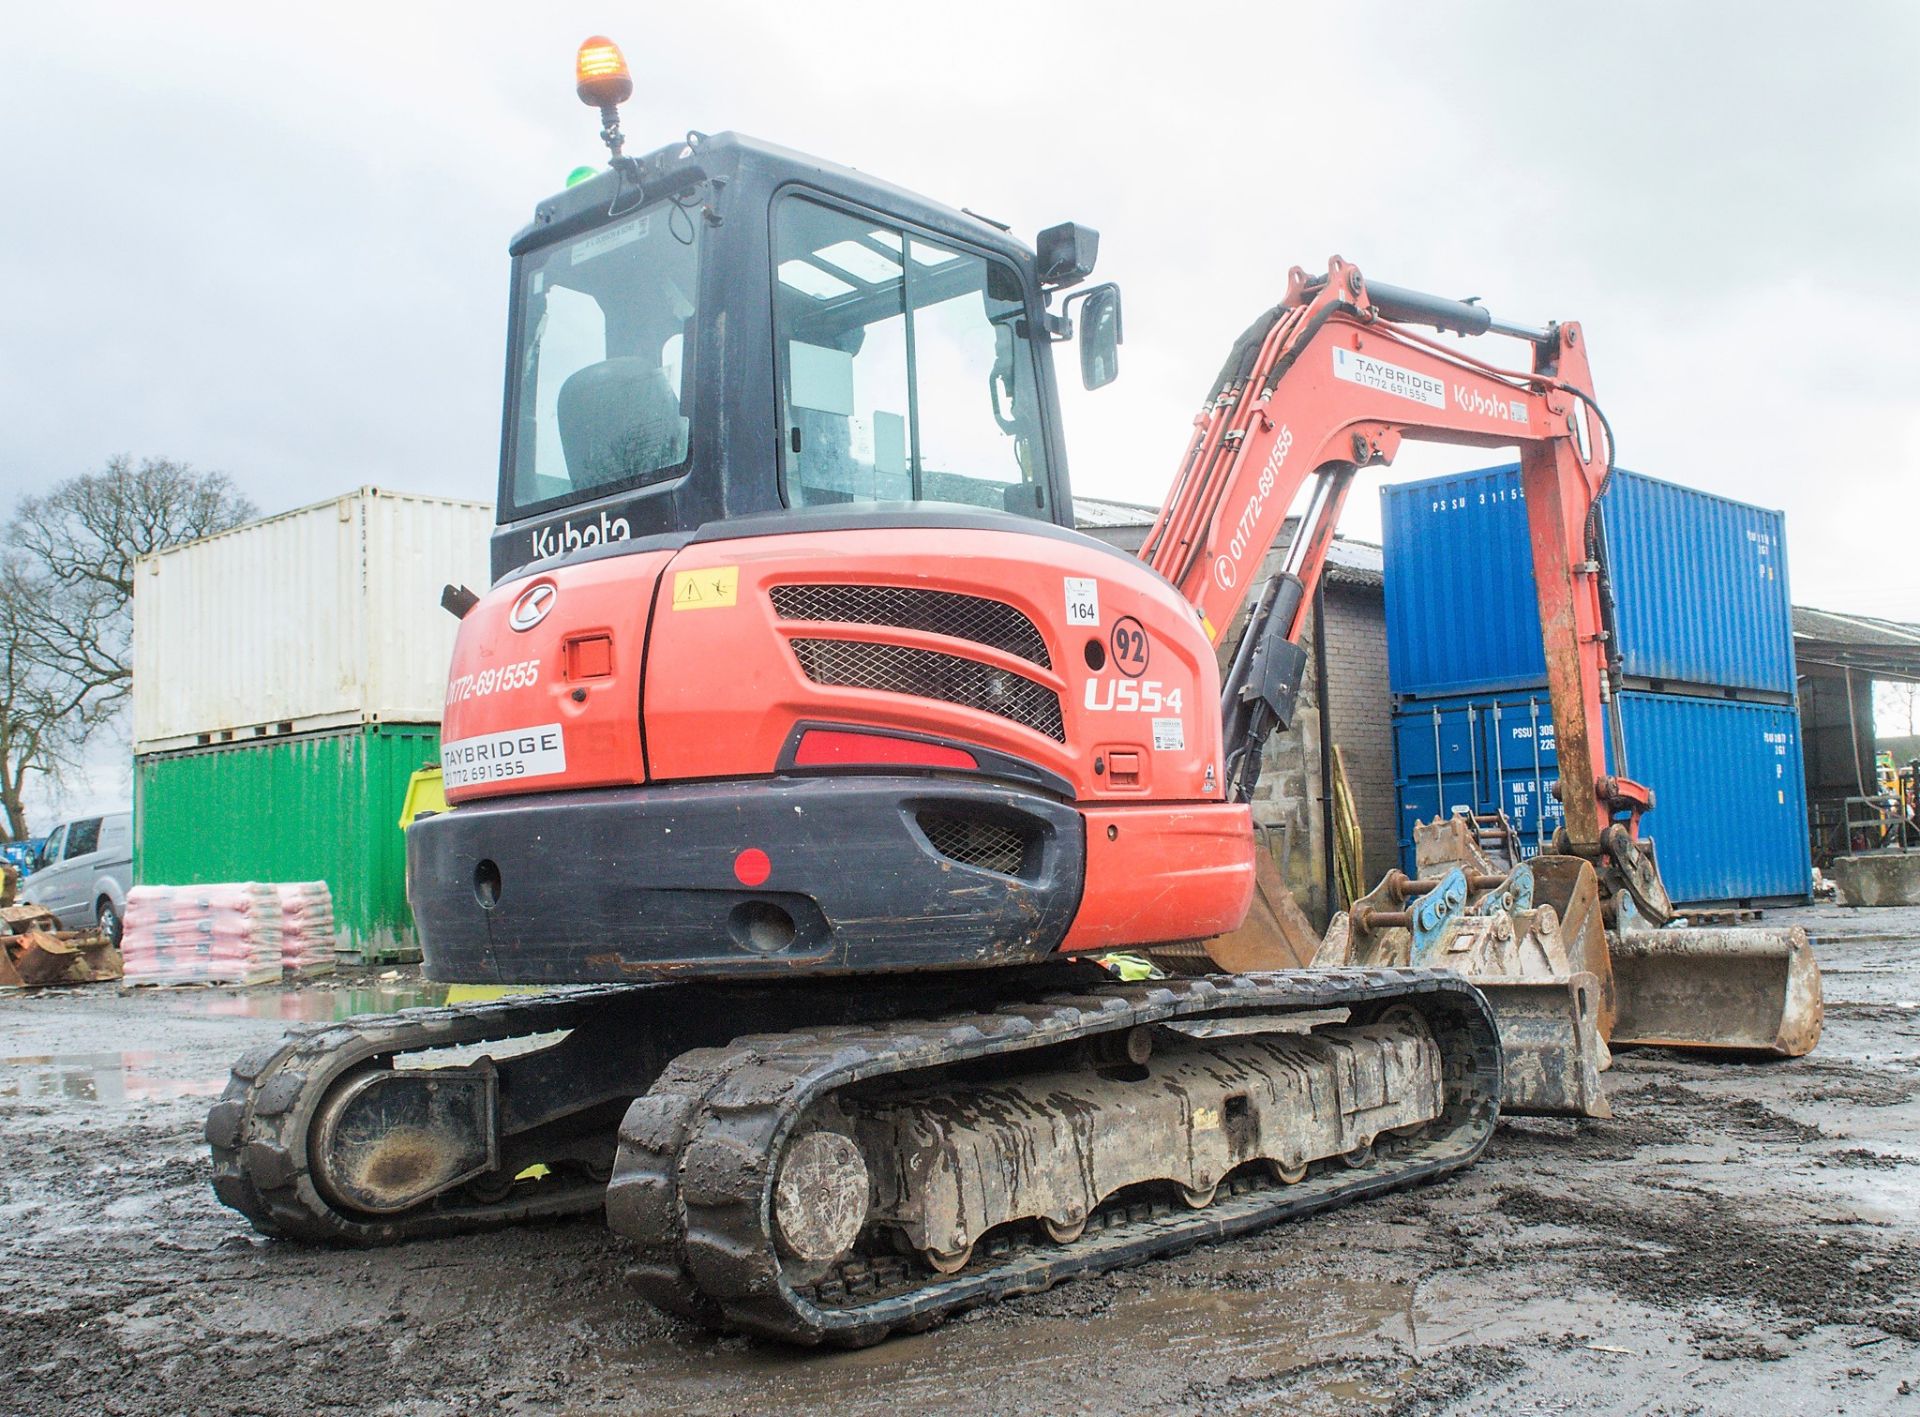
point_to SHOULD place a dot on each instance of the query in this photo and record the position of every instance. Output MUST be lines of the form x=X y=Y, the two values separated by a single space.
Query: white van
x=82 y=872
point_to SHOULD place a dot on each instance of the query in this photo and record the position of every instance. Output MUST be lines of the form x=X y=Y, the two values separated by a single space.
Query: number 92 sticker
x=1128 y=646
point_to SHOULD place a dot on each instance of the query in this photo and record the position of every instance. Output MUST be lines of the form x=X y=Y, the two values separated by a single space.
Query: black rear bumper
x=860 y=874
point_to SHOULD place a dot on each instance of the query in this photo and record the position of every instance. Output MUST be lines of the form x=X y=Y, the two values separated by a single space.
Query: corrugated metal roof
x=1349 y=562
x=1881 y=649
x=1097 y=511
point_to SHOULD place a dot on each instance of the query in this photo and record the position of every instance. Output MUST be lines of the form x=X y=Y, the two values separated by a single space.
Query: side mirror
x=1100 y=336
x=1066 y=253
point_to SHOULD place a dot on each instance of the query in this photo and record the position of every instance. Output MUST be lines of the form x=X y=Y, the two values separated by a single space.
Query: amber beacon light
x=602 y=80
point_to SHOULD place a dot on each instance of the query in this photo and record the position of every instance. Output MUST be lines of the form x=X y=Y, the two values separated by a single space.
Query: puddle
x=310 y=1004
x=110 y=1078
x=1283 y=1330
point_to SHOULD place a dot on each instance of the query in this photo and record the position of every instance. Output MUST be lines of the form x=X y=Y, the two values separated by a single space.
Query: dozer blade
x=1739 y=990
x=1276 y=933
x=1550 y=1044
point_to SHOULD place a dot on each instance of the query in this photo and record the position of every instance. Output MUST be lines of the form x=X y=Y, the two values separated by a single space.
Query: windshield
x=906 y=368
x=603 y=324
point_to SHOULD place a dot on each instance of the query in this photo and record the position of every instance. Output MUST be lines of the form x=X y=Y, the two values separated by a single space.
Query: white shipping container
x=317 y=618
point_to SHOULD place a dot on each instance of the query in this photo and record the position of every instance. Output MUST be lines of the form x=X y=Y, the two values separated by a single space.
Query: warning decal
x=711 y=589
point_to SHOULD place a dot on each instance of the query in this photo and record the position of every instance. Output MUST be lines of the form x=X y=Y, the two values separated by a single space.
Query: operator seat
x=619 y=419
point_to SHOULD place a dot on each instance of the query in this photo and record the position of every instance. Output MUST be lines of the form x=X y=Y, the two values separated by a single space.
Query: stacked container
x=288 y=680
x=1707 y=704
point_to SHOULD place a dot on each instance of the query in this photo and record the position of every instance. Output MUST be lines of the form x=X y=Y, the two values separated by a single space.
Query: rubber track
x=692 y=1178
x=258 y=1129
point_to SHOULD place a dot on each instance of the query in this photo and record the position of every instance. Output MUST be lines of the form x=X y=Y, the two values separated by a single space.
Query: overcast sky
x=272 y=241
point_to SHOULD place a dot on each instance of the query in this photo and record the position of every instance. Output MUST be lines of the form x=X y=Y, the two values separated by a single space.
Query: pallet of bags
x=228 y=933
x=306 y=928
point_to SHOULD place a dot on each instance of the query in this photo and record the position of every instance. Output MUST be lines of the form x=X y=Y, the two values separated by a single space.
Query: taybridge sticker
x=1363 y=369
x=496 y=757
x=1169 y=735
x=1083 y=600
x=711 y=589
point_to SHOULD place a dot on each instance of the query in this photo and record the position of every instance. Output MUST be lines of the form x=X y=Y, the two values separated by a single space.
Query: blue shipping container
x=1730 y=816
x=1700 y=587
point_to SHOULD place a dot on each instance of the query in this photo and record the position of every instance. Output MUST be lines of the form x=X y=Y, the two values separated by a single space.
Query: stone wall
x=1289 y=802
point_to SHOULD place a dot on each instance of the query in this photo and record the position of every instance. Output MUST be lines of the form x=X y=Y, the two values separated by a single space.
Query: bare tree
x=41 y=716
x=78 y=545
x=1897 y=708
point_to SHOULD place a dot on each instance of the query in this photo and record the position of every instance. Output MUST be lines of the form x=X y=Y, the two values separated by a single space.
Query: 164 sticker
x=1083 y=600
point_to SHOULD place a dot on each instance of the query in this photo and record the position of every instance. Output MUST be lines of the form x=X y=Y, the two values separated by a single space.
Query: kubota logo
x=1471 y=400
x=552 y=541
x=532 y=606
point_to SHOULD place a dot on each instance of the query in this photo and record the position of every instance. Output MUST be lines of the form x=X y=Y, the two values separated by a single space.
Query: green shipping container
x=310 y=807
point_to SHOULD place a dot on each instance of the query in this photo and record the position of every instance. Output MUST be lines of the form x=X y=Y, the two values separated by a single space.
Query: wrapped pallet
x=227 y=933
x=306 y=928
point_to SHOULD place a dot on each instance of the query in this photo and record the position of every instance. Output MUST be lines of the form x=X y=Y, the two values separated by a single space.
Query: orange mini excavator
x=803 y=728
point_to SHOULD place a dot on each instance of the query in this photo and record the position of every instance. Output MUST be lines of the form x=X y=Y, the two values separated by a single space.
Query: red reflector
x=751 y=867
x=825 y=747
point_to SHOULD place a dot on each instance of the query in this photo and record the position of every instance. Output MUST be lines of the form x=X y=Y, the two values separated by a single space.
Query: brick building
x=1292 y=805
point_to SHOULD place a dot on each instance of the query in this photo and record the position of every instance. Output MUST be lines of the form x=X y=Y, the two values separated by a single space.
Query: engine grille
x=992 y=846
x=935 y=612
x=928 y=674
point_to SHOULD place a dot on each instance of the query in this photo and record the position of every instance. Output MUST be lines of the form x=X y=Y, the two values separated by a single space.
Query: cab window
x=83 y=837
x=600 y=388
x=906 y=368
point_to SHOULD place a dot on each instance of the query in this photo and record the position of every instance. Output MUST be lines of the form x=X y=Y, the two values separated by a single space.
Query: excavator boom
x=1331 y=380
x=1335 y=378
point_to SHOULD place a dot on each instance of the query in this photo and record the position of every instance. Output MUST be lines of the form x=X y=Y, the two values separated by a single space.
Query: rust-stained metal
x=388 y=1139
x=36 y=953
x=1741 y=990
x=1276 y=933
x=1551 y=1050
x=1530 y=940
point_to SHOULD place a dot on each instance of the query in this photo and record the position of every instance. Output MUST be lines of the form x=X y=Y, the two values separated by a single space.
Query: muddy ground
x=1739 y=1239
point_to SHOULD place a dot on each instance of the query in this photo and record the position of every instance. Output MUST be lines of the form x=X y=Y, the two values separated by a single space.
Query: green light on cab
x=581 y=174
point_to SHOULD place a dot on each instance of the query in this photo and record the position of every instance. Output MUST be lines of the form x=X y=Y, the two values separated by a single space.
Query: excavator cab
x=910 y=345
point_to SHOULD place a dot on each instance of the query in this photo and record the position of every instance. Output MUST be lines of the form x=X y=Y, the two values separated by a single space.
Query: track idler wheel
x=385 y=1140
x=820 y=1197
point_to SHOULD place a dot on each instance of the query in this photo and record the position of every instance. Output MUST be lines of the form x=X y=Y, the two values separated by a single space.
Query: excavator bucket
x=1748 y=990
x=1550 y=1048
x=1276 y=933
x=1534 y=947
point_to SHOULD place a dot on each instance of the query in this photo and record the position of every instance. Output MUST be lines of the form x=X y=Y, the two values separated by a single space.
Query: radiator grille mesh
x=934 y=612
x=992 y=846
x=928 y=674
